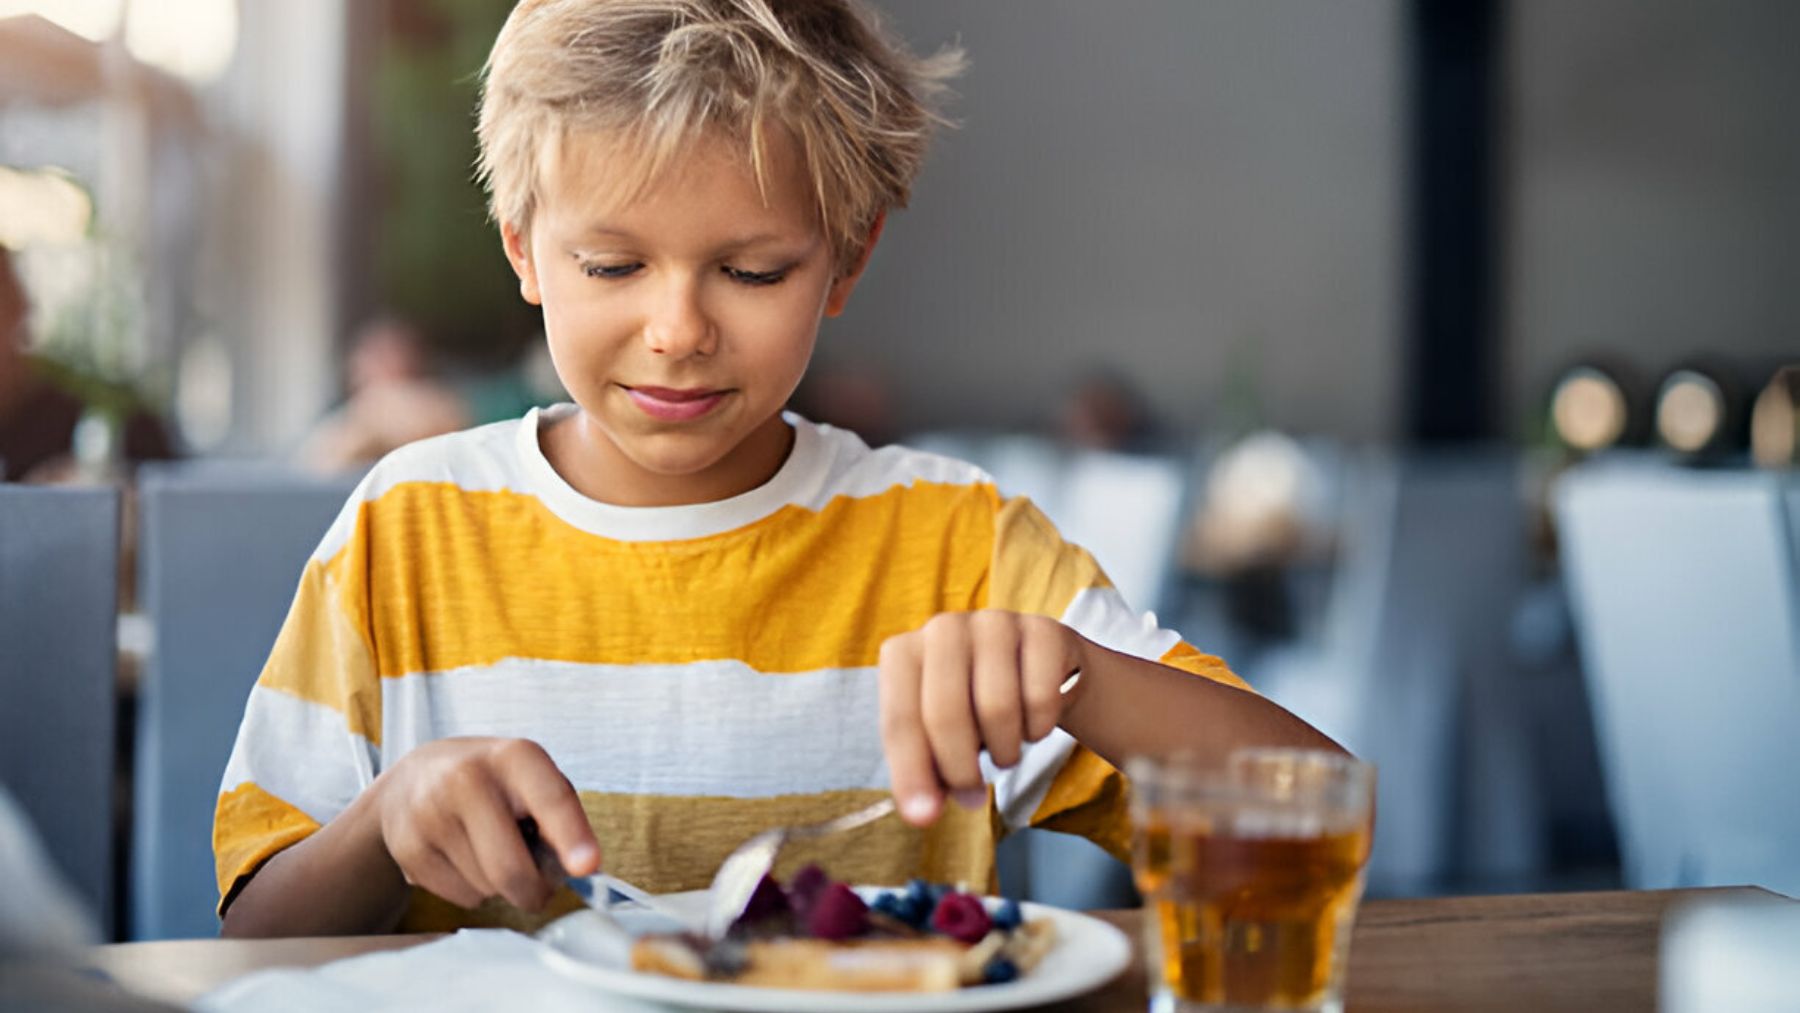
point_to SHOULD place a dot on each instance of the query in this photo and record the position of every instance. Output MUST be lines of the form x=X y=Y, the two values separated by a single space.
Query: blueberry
x=914 y=911
x=902 y=907
x=921 y=891
x=1007 y=915
x=999 y=971
x=891 y=904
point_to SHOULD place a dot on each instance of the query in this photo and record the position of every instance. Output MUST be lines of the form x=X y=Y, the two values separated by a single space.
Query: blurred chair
x=1029 y=466
x=1411 y=673
x=222 y=550
x=1021 y=464
x=1793 y=519
x=1686 y=591
x=59 y=602
x=1126 y=509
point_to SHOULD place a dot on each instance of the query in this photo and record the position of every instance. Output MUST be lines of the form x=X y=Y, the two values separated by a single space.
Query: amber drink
x=1251 y=872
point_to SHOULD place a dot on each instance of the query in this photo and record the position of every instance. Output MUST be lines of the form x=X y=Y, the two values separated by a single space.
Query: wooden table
x=1535 y=952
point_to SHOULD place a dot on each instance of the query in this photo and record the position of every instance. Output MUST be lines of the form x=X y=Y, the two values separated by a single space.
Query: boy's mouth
x=669 y=404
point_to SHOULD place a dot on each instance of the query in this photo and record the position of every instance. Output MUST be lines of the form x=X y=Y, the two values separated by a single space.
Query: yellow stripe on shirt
x=251 y=825
x=1187 y=658
x=793 y=592
x=321 y=655
x=1034 y=570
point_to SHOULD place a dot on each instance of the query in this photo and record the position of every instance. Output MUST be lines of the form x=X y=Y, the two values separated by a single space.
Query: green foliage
x=436 y=257
x=92 y=343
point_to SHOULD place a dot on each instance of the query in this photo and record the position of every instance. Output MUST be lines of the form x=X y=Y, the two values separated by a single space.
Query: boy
x=667 y=616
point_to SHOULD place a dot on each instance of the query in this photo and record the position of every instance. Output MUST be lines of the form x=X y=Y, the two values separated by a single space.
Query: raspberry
x=804 y=889
x=765 y=902
x=961 y=917
x=837 y=913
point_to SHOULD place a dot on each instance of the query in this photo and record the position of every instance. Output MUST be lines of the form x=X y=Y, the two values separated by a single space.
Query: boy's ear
x=839 y=296
x=518 y=253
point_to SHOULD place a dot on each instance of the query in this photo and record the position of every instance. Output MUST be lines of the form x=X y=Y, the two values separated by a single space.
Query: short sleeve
x=310 y=736
x=1060 y=784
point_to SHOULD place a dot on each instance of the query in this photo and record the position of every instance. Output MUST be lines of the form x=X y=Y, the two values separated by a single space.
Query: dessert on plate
x=815 y=933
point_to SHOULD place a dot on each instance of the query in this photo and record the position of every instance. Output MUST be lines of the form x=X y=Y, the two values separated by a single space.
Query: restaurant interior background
x=1423 y=359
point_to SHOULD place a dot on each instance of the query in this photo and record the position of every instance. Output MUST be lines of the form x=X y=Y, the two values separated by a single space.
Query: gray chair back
x=59 y=603
x=222 y=553
x=1412 y=670
x=1687 y=608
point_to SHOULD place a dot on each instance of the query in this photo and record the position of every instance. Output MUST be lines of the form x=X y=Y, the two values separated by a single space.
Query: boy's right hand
x=450 y=813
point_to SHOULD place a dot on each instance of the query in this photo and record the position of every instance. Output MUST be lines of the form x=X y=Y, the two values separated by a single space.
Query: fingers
x=450 y=820
x=430 y=869
x=427 y=841
x=946 y=704
x=539 y=790
x=1045 y=661
x=911 y=770
x=433 y=853
x=471 y=885
x=999 y=711
x=500 y=852
x=961 y=683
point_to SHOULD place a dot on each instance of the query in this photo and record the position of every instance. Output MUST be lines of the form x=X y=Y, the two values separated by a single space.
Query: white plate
x=1088 y=954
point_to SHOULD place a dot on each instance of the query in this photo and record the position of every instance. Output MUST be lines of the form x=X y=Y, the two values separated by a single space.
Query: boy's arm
x=1127 y=705
x=445 y=818
x=991 y=680
x=340 y=880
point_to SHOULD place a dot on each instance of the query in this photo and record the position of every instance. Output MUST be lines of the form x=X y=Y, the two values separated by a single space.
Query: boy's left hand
x=962 y=682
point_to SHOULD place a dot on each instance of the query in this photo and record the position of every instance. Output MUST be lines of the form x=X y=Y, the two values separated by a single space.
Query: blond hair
x=665 y=73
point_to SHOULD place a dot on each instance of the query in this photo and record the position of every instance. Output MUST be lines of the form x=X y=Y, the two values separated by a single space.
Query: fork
x=597 y=890
x=737 y=878
x=744 y=868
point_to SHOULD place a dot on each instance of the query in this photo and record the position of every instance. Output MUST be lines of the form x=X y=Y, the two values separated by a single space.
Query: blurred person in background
x=38 y=419
x=1105 y=411
x=394 y=398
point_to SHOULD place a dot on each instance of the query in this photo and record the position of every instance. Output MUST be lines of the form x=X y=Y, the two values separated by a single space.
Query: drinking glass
x=1251 y=871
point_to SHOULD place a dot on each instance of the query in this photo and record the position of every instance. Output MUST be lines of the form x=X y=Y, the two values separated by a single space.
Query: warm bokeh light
x=1588 y=409
x=1775 y=423
x=44 y=207
x=90 y=19
x=193 y=39
x=1690 y=411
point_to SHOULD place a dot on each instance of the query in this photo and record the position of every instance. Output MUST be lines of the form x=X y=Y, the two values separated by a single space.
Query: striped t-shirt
x=698 y=672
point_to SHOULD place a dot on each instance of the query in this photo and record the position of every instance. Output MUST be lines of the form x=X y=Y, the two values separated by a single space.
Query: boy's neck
x=592 y=464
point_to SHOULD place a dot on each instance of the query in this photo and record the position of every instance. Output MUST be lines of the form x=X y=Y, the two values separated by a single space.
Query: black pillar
x=1452 y=378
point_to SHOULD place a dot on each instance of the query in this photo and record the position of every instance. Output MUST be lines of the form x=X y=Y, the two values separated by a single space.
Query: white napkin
x=475 y=969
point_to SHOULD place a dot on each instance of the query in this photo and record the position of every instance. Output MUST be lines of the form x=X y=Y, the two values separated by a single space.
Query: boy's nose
x=678 y=326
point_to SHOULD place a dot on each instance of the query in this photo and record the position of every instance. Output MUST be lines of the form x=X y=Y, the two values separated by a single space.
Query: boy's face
x=680 y=321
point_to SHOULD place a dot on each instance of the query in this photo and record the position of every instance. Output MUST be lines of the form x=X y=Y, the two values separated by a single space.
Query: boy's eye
x=610 y=270
x=755 y=277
